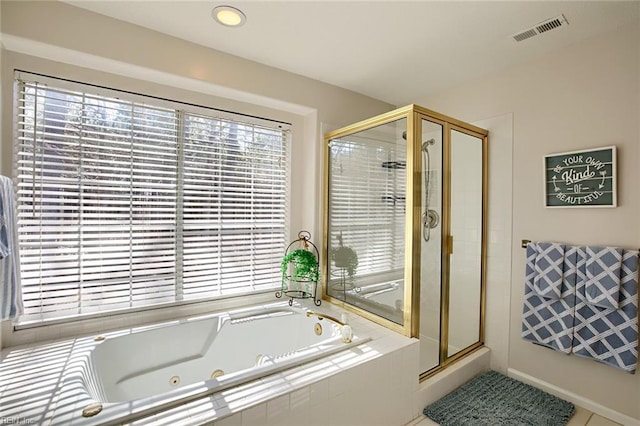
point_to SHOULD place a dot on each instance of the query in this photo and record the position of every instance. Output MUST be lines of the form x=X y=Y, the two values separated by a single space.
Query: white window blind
x=125 y=204
x=367 y=202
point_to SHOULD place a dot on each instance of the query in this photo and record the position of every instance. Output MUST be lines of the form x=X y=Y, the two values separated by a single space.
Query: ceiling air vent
x=542 y=27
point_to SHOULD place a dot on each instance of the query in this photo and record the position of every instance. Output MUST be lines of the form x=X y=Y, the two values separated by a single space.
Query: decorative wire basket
x=300 y=270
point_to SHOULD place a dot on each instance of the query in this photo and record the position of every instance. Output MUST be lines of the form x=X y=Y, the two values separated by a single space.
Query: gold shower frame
x=413 y=226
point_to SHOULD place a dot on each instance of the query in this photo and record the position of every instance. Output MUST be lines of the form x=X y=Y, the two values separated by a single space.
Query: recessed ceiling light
x=228 y=16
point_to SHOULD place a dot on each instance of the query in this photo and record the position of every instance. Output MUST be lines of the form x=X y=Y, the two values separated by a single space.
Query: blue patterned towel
x=549 y=322
x=549 y=262
x=608 y=335
x=603 y=276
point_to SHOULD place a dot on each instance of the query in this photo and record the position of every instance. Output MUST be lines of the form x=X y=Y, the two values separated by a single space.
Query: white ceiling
x=395 y=51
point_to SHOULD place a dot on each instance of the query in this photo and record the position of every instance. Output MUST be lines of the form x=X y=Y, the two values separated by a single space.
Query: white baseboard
x=583 y=402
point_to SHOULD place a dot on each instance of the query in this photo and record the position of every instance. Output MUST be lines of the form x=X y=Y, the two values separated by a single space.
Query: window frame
x=185 y=108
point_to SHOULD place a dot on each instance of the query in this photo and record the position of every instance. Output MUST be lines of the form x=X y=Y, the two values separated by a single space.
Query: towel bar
x=525 y=242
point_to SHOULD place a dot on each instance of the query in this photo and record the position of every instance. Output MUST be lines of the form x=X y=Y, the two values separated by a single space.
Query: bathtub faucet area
x=345 y=329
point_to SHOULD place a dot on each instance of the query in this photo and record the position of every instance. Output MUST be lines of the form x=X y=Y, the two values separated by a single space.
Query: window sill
x=48 y=330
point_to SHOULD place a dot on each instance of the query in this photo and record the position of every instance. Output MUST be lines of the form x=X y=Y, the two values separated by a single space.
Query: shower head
x=425 y=145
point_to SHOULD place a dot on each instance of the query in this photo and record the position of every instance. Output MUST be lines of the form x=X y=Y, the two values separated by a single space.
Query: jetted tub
x=134 y=375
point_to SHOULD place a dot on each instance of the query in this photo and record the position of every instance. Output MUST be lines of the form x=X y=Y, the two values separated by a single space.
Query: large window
x=126 y=204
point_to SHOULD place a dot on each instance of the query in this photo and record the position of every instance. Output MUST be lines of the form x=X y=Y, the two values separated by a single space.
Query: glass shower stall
x=405 y=228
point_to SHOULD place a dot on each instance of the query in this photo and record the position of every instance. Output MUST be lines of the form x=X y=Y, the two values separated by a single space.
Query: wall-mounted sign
x=584 y=178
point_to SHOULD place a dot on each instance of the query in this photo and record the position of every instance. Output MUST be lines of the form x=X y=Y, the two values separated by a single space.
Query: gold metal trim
x=327 y=317
x=433 y=115
x=445 y=222
x=410 y=224
x=378 y=120
x=416 y=229
x=402 y=112
x=485 y=236
x=218 y=372
x=326 y=178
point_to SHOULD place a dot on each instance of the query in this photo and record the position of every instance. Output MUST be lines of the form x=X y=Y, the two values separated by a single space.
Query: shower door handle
x=450 y=244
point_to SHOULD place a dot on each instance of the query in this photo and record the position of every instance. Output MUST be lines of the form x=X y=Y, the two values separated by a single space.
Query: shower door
x=466 y=228
x=453 y=246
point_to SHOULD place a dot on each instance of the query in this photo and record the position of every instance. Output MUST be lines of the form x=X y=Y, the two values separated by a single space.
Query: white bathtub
x=133 y=375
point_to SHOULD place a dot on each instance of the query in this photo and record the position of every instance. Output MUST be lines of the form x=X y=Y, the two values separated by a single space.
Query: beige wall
x=585 y=95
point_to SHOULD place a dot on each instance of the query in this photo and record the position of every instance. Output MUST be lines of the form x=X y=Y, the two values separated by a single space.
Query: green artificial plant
x=305 y=265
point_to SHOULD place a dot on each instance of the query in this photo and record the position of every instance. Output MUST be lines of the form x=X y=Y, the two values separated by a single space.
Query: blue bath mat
x=493 y=399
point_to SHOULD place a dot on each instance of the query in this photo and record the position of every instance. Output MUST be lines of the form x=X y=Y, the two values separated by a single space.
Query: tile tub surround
x=372 y=383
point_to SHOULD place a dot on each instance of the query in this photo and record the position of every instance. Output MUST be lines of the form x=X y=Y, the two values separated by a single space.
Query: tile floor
x=581 y=417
